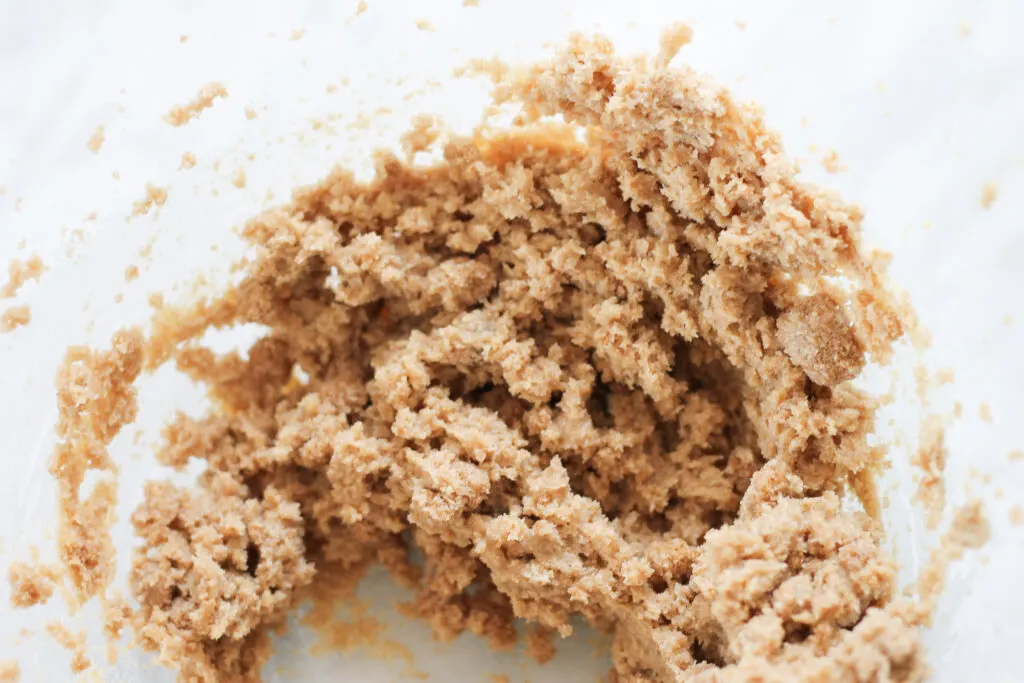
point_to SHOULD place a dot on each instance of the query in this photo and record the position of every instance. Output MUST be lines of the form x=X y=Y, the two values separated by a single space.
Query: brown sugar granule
x=19 y=272
x=155 y=196
x=204 y=99
x=10 y=671
x=14 y=317
x=31 y=585
x=73 y=642
x=96 y=141
x=597 y=376
x=989 y=194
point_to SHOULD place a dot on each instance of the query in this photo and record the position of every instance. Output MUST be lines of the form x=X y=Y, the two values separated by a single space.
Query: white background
x=923 y=103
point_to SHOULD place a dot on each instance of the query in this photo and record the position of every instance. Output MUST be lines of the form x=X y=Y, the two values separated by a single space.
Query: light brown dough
x=601 y=379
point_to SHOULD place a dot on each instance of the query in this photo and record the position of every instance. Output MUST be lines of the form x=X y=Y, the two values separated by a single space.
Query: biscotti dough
x=595 y=366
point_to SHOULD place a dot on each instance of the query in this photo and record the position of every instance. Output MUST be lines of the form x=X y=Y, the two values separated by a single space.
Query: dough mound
x=593 y=365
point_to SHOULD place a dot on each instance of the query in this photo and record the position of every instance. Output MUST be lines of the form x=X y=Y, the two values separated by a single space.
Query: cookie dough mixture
x=595 y=365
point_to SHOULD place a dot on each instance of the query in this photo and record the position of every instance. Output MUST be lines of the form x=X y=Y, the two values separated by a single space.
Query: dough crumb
x=182 y=114
x=672 y=40
x=155 y=197
x=250 y=113
x=183 y=38
x=985 y=413
x=131 y=273
x=1017 y=515
x=818 y=338
x=830 y=162
x=297 y=34
x=96 y=141
x=72 y=642
x=20 y=272
x=539 y=644
x=10 y=671
x=425 y=25
x=989 y=195
x=1016 y=455
x=470 y=3
x=361 y=7
x=31 y=585
x=239 y=179
x=15 y=317
x=495 y=678
x=188 y=160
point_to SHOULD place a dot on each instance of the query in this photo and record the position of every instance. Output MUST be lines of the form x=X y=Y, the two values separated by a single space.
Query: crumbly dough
x=593 y=368
x=14 y=317
x=20 y=272
x=10 y=671
x=31 y=585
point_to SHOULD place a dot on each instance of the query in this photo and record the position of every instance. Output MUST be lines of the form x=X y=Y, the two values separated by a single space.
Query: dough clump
x=593 y=365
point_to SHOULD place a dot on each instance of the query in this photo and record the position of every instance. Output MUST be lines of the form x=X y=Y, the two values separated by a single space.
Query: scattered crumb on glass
x=188 y=160
x=1016 y=454
x=10 y=671
x=155 y=196
x=1017 y=515
x=830 y=162
x=989 y=194
x=20 y=272
x=14 y=317
x=96 y=141
x=238 y=180
x=183 y=38
x=250 y=113
x=297 y=34
x=424 y=25
x=181 y=114
x=131 y=272
x=985 y=412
